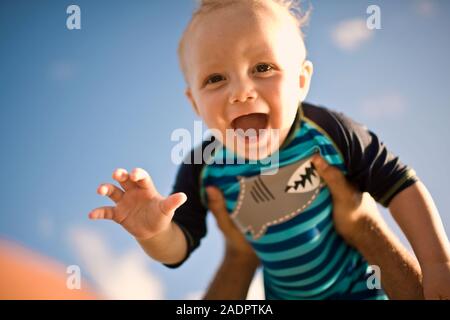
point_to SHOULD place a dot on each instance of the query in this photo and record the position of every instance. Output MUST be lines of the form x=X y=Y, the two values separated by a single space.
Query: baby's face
x=246 y=69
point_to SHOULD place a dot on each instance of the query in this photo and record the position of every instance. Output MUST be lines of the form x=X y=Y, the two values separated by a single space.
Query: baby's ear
x=305 y=78
x=188 y=94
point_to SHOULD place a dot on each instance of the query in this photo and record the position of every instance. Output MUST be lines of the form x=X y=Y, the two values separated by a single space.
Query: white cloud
x=425 y=8
x=116 y=277
x=386 y=106
x=350 y=35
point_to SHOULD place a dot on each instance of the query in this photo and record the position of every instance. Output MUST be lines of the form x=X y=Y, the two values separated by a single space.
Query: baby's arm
x=145 y=214
x=169 y=247
x=416 y=214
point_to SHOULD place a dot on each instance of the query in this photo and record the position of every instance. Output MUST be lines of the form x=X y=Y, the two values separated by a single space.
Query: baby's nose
x=242 y=92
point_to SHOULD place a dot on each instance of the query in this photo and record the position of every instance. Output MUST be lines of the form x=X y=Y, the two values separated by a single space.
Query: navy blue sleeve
x=371 y=166
x=191 y=216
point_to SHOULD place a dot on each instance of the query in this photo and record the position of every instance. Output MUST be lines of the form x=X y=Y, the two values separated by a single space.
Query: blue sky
x=75 y=105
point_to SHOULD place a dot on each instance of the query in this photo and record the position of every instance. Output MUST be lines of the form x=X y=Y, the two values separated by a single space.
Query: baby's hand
x=140 y=209
x=436 y=281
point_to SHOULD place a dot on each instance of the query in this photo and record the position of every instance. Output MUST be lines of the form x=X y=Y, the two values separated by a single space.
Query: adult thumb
x=333 y=177
x=216 y=204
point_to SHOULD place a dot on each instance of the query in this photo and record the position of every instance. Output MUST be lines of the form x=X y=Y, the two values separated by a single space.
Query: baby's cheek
x=290 y=86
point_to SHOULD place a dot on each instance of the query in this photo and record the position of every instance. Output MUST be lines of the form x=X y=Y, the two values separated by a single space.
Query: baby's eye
x=263 y=68
x=214 y=79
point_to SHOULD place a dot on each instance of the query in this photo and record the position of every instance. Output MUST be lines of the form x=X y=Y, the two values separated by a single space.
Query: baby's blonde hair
x=206 y=6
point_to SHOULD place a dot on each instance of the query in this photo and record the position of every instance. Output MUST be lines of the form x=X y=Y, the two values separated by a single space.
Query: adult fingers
x=216 y=204
x=334 y=178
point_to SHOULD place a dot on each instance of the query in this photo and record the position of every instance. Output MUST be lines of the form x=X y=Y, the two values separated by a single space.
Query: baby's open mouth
x=250 y=124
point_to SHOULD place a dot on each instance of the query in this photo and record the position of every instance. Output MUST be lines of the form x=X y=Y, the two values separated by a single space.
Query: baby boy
x=245 y=66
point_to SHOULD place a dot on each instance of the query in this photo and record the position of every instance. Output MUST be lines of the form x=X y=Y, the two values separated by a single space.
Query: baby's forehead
x=265 y=26
x=257 y=22
x=225 y=17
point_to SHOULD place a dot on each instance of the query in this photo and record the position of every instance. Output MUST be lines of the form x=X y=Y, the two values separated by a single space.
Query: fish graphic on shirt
x=267 y=200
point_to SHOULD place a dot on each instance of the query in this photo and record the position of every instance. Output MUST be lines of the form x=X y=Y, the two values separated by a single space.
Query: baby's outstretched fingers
x=110 y=190
x=142 y=179
x=122 y=177
x=102 y=213
x=172 y=202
